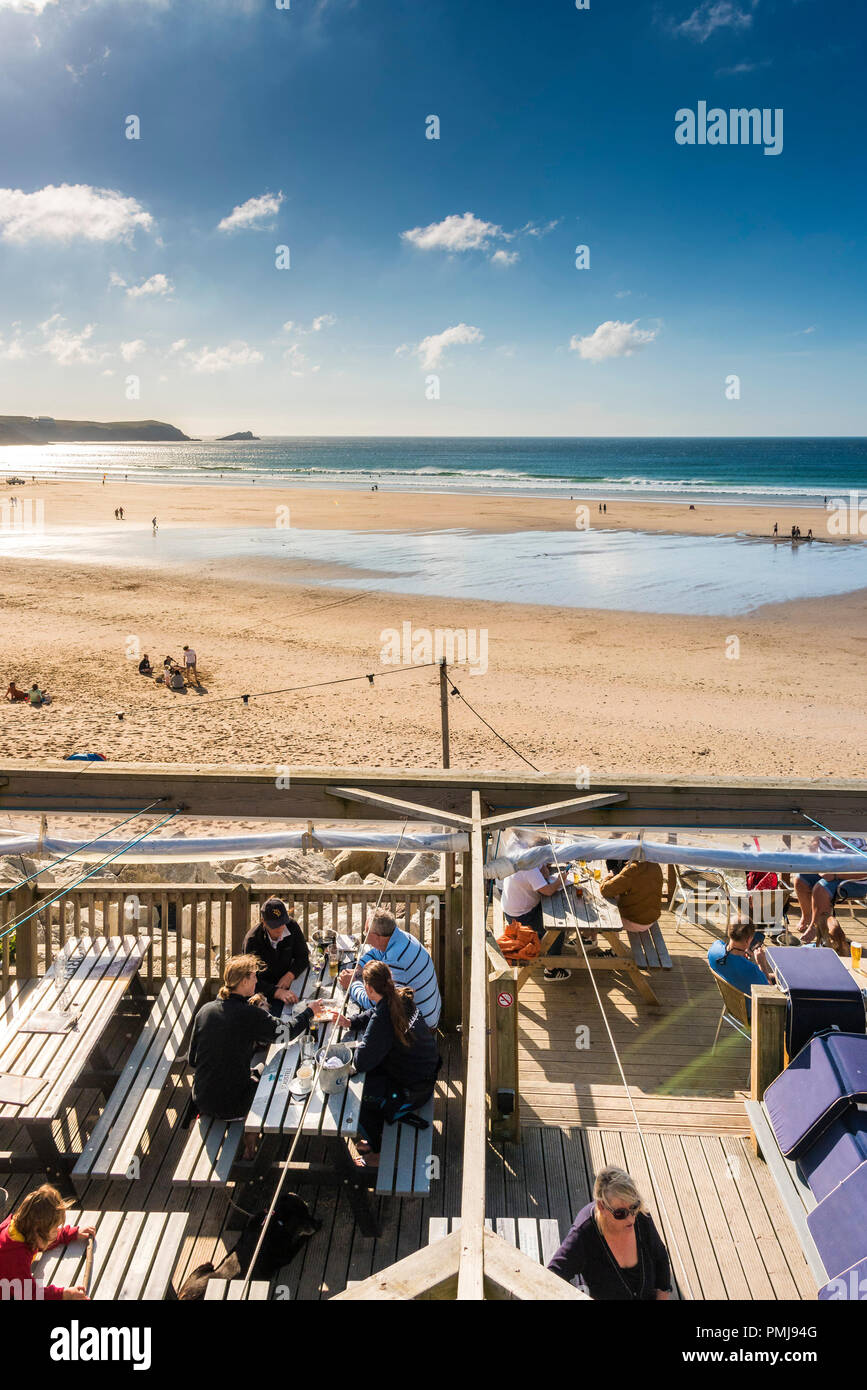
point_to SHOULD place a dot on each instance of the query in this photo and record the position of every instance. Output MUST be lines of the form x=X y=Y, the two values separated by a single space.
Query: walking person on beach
x=154 y=524
x=776 y=529
x=190 y=666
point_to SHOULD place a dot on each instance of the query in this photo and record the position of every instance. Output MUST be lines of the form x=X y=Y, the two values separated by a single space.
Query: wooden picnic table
x=134 y=1255
x=103 y=969
x=277 y=1114
x=591 y=912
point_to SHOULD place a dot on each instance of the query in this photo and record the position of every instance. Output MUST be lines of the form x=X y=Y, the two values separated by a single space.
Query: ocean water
x=613 y=570
x=785 y=472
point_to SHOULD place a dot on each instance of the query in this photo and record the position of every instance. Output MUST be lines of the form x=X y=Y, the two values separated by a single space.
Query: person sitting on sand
x=398 y=1055
x=36 y=696
x=36 y=1226
x=13 y=693
x=144 y=666
x=176 y=679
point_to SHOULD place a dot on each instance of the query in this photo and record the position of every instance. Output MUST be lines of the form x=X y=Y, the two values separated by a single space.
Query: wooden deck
x=678 y=1085
x=723 y=1219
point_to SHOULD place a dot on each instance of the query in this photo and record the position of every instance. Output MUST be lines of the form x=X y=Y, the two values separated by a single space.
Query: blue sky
x=556 y=130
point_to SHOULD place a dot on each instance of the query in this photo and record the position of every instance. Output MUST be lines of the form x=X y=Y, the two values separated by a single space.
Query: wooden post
x=240 y=916
x=767 y=1040
x=27 y=935
x=471 y=1278
x=452 y=965
x=444 y=712
x=466 y=940
x=503 y=1052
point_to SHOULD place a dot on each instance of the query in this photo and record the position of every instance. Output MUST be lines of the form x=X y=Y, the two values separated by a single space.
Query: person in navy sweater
x=398 y=1053
x=614 y=1247
x=36 y=1226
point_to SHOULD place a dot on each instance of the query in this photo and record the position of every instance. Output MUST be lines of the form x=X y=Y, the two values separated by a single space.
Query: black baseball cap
x=274 y=913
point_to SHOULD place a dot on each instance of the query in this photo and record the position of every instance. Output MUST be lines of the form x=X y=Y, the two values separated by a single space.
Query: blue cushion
x=822 y=993
x=838 y=1224
x=826 y=1078
x=836 y=1154
x=850 y=1285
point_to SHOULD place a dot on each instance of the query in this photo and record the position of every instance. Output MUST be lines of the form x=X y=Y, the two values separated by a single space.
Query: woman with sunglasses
x=613 y=1245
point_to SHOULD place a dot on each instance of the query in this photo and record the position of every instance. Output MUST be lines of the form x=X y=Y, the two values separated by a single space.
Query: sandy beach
x=570 y=688
x=83 y=503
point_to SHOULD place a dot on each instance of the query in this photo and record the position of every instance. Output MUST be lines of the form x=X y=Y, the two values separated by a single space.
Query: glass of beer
x=856 y=955
x=333 y=962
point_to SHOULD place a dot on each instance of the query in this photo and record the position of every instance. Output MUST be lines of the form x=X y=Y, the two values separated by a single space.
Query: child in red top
x=37 y=1225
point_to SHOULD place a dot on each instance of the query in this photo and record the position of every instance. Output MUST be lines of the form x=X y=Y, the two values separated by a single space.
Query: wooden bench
x=794 y=1191
x=649 y=949
x=134 y=1255
x=209 y=1153
x=537 y=1237
x=404 y=1162
x=233 y=1291
x=112 y=1148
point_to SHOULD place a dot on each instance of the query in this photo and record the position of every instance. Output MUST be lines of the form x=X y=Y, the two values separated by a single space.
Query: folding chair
x=734 y=1011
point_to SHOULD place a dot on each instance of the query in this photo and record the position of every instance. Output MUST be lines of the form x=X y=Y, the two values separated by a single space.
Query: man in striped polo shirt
x=408 y=961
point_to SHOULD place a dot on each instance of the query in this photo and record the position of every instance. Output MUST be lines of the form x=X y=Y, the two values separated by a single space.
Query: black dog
x=289 y=1228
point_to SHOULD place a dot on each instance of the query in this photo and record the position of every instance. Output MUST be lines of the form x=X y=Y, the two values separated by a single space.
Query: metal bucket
x=333 y=1079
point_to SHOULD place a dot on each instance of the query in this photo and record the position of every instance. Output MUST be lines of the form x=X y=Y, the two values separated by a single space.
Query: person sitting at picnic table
x=13 y=693
x=279 y=943
x=614 y=1246
x=144 y=666
x=637 y=891
x=228 y=1033
x=397 y=1054
x=740 y=959
x=521 y=899
x=408 y=959
x=818 y=894
x=36 y=1226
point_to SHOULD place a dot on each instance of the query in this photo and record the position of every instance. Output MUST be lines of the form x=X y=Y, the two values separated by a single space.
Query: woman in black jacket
x=226 y=1036
x=613 y=1245
x=398 y=1053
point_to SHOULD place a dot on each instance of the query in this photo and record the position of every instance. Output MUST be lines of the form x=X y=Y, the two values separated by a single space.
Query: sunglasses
x=621 y=1213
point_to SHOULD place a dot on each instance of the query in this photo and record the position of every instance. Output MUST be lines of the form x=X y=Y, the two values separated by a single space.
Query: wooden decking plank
x=728 y=1257
x=726 y=1179
x=752 y=1175
x=712 y=1281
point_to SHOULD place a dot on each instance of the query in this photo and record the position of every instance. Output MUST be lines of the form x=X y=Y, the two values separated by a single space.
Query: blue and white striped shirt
x=411 y=967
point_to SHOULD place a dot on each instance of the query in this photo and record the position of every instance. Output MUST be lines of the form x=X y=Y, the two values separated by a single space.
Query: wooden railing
x=195 y=927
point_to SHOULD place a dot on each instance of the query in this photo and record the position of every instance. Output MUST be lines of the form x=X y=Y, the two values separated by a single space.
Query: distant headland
x=242 y=434
x=44 y=429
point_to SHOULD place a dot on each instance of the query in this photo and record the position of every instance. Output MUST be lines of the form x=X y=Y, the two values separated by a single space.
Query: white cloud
x=179 y=345
x=157 y=285
x=223 y=359
x=68 y=348
x=70 y=212
x=740 y=68
x=431 y=350
x=455 y=233
x=296 y=360
x=26 y=6
x=622 y=294
x=252 y=214
x=322 y=321
x=612 y=339
x=503 y=258
x=713 y=15
x=129 y=351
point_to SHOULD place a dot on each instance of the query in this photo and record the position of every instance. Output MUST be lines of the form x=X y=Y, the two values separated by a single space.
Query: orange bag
x=519 y=943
